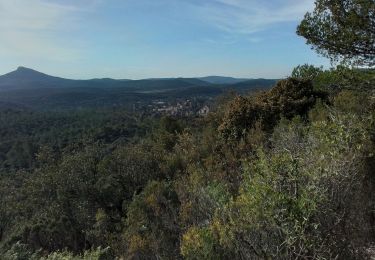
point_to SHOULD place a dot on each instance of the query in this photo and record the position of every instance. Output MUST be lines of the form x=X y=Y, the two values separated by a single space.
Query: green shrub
x=289 y=98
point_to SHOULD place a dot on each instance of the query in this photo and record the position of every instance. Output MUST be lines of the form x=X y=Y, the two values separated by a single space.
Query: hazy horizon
x=154 y=39
x=99 y=77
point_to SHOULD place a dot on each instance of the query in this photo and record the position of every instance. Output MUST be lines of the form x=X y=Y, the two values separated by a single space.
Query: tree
x=306 y=71
x=290 y=97
x=342 y=30
x=152 y=231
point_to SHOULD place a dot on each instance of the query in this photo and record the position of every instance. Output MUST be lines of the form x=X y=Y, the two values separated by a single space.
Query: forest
x=285 y=173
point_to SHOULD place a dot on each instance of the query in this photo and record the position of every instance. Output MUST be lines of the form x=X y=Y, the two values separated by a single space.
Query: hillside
x=25 y=78
x=215 y=167
x=30 y=88
x=284 y=163
x=222 y=80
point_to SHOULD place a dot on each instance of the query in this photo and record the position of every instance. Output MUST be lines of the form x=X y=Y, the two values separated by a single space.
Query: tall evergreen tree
x=343 y=30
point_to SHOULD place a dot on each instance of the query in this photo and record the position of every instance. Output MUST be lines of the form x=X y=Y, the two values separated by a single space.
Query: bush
x=302 y=197
x=290 y=97
x=94 y=254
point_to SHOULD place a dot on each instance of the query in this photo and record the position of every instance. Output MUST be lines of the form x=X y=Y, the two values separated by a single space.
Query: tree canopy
x=343 y=30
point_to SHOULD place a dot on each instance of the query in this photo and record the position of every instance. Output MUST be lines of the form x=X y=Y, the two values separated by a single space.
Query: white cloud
x=30 y=15
x=31 y=29
x=250 y=16
x=43 y=30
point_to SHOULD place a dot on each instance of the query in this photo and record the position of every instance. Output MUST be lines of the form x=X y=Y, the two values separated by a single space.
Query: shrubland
x=286 y=173
x=282 y=174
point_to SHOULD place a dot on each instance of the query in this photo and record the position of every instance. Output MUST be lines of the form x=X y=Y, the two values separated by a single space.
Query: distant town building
x=204 y=111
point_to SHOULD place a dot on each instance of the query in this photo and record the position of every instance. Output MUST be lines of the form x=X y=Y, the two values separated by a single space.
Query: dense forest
x=286 y=173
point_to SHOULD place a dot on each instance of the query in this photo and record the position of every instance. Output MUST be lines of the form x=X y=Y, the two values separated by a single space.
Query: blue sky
x=154 y=38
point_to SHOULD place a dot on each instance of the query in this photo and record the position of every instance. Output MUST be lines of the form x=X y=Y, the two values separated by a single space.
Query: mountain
x=26 y=74
x=29 y=88
x=25 y=78
x=222 y=80
x=252 y=84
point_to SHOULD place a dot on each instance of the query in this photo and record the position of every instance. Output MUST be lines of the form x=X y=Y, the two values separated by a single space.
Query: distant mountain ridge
x=29 y=88
x=222 y=80
x=25 y=78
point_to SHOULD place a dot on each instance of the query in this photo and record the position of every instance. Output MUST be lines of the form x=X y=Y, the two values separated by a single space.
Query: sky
x=135 y=39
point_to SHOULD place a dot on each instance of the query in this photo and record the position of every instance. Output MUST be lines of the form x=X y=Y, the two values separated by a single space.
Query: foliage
x=20 y=251
x=294 y=196
x=336 y=79
x=306 y=71
x=280 y=174
x=199 y=243
x=342 y=29
x=152 y=229
x=96 y=254
x=288 y=98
